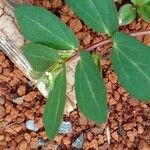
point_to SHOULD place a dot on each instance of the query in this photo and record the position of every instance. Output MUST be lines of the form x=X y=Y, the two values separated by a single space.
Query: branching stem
x=92 y=47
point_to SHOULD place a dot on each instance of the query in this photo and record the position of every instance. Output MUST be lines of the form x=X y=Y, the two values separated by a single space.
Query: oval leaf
x=127 y=14
x=55 y=106
x=41 y=26
x=90 y=90
x=40 y=57
x=131 y=62
x=101 y=15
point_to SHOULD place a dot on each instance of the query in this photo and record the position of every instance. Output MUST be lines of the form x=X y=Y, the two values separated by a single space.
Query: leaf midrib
x=59 y=97
x=92 y=18
x=134 y=64
x=44 y=58
x=91 y=89
x=44 y=28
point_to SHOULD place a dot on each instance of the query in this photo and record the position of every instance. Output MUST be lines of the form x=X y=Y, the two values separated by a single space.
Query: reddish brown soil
x=129 y=119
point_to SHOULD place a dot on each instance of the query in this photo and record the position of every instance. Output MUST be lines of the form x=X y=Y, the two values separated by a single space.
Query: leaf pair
x=47 y=33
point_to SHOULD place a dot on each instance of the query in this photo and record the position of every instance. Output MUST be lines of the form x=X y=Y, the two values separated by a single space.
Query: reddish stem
x=91 y=47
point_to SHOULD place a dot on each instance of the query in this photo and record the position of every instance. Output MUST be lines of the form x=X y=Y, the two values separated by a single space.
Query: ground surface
x=129 y=120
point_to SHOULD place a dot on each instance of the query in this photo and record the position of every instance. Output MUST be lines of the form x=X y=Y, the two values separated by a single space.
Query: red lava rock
x=5 y=78
x=2 y=112
x=140 y=129
x=3 y=145
x=115 y=135
x=146 y=40
x=17 y=128
x=90 y=136
x=13 y=145
x=143 y=145
x=113 y=78
x=2 y=100
x=2 y=57
x=34 y=143
x=10 y=131
x=29 y=114
x=27 y=137
x=39 y=123
x=1 y=69
x=112 y=101
x=140 y=119
x=101 y=139
x=94 y=145
x=8 y=119
x=116 y=95
x=132 y=25
x=59 y=138
x=22 y=145
x=46 y=4
x=56 y=4
x=128 y=126
x=21 y=90
x=86 y=145
x=86 y=37
x=30 y=97
x=7 y=138
x=2 y=137
x=131 y=135
x=66 y=140
x=133 y=102
x=75 y=24
x=64 y=18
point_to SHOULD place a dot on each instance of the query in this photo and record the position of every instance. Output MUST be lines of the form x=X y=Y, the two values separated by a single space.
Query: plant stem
x=140 y=33
x=91 y=47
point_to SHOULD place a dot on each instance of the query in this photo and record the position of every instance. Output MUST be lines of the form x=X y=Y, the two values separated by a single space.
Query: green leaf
x=55 y=106
x=143 y=8
x=41 y=26
x=131 y=62
x=127 y=14
x=139 y=2
x=101 y=15
x=40 y=57
x=90 y=90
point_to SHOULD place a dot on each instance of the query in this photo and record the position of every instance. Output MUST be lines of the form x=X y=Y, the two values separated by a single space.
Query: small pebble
x=18 y=100
x=41 y=142
x=65 y=128
x=78 y=143
x=2 y=100
x=31 y=126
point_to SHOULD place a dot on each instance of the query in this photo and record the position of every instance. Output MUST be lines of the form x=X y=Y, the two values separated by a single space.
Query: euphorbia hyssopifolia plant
x=51 y=40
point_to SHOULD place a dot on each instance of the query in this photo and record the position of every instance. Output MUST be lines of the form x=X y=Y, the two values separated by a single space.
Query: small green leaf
x=127 y=14
x=96 y=58
x=41 y=26
x=101 y=15
x=139 y=2
x=55 y=105
x=40 y=57
x=143 y=8
x=131 y=62
x=90 y=90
